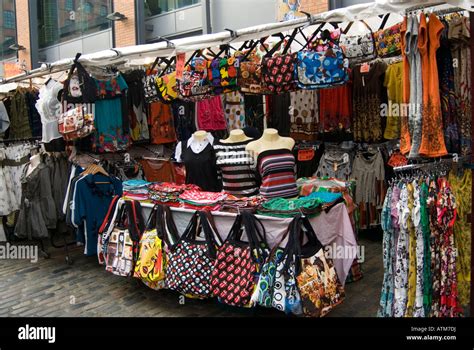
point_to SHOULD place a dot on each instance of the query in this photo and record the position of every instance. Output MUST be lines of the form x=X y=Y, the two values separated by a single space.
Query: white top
x=49 y=108
x=196 y=145
x=4 y=119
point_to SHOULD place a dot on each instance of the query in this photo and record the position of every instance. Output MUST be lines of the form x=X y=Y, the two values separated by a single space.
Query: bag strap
x=107 y=218
x=384 y=21
x=165 y=226
x=153 y=66
x=208 y=234
x=216 y=236
x=346 y=30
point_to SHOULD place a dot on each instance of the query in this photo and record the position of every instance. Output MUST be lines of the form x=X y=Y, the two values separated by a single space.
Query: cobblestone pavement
x=50 y=287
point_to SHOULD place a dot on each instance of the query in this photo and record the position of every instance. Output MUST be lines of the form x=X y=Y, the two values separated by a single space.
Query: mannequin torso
x=270 y=140
x=235 y=136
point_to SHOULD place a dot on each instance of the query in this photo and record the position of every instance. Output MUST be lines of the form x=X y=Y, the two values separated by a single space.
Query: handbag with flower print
x=388 y=41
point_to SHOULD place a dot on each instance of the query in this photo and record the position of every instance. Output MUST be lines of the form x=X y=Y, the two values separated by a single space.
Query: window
x=58 y=23
x=158 y=7
x=9 y=19
x=69 y=5
x=103 y=11
x=88 y=8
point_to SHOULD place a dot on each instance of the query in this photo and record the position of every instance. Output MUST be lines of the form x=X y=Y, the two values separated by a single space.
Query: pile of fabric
x=136 y=189
x=233 y=204
x=201 y=200
x=288 y=208
x=168 y=193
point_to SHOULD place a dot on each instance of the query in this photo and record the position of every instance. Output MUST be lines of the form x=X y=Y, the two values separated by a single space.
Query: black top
x=201 y=169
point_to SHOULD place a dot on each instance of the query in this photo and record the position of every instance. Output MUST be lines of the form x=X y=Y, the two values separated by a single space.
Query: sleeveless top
x=201 y=167
x=277 y=169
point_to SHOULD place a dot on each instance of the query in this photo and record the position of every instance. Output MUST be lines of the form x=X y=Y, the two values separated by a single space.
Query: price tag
x=365 y=68
x=180 y=61
x=305 y=154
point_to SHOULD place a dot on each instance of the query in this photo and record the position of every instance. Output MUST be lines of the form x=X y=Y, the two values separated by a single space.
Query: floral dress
x=418 y=310
x=401 y=264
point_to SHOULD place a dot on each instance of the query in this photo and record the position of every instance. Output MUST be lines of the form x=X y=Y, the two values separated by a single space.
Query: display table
x=333 y=229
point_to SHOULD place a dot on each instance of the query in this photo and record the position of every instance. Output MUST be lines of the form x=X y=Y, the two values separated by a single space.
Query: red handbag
x=238 y=263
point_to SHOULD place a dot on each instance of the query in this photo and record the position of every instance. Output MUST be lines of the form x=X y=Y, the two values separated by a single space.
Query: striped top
x=277 y=169
x=236 y=166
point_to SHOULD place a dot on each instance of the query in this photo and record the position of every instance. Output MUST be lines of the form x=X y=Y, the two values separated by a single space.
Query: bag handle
x=349 y=26
x=384 y=21
x=165 y=226
x=107 y=218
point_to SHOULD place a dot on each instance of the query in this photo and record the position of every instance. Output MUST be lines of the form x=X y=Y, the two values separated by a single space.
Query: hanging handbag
x=357 y=47
x=319 y=69
x=160 y=234
x=250 y=78
x=76 y=123
x=222 y=74
x=388 y=41
x=285 y=294
x=150 y=86
x=316 y=277
x=194 y=84
x=238 y=263
x=278 y=73
x=191 y=261
x=122 y=248
x=263 y=293
x=103 y=237
x=167 y=91
x=79 y=86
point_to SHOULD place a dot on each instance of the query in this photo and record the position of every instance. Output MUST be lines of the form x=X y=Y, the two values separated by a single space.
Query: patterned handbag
x=238 y=263
x=358 y=47
x=79 y=87
x=103 y=237
x=122 y=248
x=160 y=234
x=250 y=78
x=319 y=69
x=150 y=87
x=222 y=74
x=316 y=277
x=388 y=41
x=167 y=90
x=285 y=295
x=191 y=261
x=76 y=123
x=278 y=73
x=194 y=84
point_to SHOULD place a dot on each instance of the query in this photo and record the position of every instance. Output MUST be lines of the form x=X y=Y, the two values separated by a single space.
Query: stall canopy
x=143 y=53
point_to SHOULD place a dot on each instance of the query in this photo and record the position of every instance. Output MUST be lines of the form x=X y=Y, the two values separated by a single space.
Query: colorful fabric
x=222 y=74
x=388 y=41
x=278 y=73
x=277 y=169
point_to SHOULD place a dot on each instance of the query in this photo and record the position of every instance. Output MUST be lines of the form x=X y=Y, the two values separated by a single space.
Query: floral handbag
x=76 y=123
x=278 y=73
x=250 y=78
x=191 y=261
x=194 y=84
x=150 y=87
x=388 y=41
x=222 y=74
x=238 y=263
x=358 y=46
x=319 y=69
x=316 y=277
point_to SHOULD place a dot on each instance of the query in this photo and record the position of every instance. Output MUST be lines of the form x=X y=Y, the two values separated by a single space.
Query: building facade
x=36 y=31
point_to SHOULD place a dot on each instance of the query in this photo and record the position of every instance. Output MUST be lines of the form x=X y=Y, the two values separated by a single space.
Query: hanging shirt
x=304 y=115
x=110 y=135
x=394 y=84
x=49 y=108
x=4 y=118
x=210 y=115
x=162 y=123
x=91 y=202
x=234 y=109
x=335 y=113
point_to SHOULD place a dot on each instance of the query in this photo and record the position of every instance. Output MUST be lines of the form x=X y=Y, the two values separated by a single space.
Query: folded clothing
x=287 y=208
x=166 y=192
x=325 y=197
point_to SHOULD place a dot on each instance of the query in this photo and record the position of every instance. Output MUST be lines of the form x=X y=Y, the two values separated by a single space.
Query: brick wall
x=125 y=30
x=23 y=32
x=314 y=6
